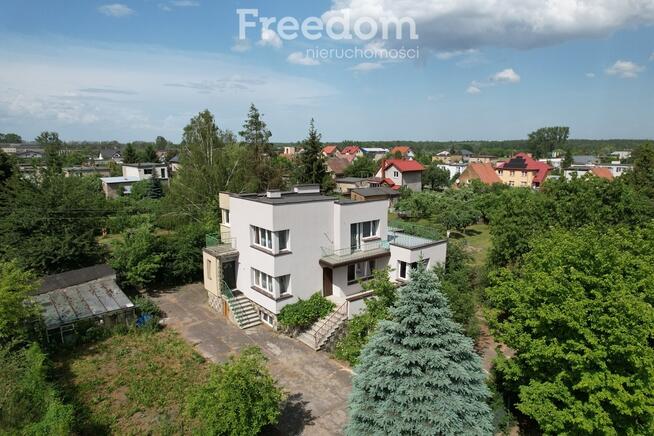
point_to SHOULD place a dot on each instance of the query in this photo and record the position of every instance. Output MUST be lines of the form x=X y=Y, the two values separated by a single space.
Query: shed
x=86 y=294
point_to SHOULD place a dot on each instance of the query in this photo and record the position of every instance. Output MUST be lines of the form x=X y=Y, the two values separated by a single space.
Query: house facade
x=522 y=171
x=484 y=172
x=400 y=172
x=122 y=185
x=279 y=247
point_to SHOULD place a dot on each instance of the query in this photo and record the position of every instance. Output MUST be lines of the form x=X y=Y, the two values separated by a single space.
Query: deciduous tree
x=544 y=141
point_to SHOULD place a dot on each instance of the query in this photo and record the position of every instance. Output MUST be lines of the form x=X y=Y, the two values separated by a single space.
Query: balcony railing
x=353 y=254
x=213 y=240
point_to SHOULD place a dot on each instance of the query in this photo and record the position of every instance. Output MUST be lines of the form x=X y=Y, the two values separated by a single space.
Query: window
x=361 y=270
x=511 y=183
x=163 y=173
x=523 y=183
x=263 y=280
x=512 y=173
x=209 y=269
x=262 y=237
x=147 y=171
x=406 y=267
x=524 y=174
x=225 y=216
x=396 y=174
x=282 y=283
x=267 y=319
x=283 y=240
x=500 y=172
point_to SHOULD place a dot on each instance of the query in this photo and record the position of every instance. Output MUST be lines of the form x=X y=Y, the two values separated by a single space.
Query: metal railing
x=348 y=251
x=213 y=240
x=323 y=329
x=416 y=229
x=236 y=309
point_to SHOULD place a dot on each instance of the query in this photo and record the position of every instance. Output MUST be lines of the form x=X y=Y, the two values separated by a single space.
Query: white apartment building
x=279 y=247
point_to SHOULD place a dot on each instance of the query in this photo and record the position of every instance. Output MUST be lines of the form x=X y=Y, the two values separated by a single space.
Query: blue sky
x=136 y=69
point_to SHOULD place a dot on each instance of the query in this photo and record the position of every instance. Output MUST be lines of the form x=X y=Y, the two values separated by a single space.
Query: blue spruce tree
x=419 y=374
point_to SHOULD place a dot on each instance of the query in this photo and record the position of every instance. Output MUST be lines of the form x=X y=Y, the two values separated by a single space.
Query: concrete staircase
x=320 y=333
x=244 y=312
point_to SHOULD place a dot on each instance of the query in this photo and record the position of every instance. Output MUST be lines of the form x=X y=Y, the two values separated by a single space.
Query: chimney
x=274 y=193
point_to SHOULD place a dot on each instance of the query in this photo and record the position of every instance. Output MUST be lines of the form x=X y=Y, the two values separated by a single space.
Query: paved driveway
x=317 y=387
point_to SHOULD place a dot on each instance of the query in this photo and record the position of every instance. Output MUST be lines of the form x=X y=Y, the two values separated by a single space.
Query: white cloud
x=300 y=58
x=625 y=69
x=241 y=45
x=270 y=38
x=590 y=75
x=447 y=55
x=447 y=25
x=472 y=90
x=82 y=90
x=365 y=67
x=116 y=10
x=506 y=76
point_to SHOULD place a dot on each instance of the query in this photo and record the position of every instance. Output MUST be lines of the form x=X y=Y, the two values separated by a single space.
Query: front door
x=327 y=282
x=229 y=274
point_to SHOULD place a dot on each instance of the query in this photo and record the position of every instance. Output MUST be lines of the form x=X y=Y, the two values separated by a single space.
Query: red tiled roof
x=404 y=166
x=329 y=149
x=338 y=164
x=485 y=172
x=602 y=172
x=351 y=149
x=524 y=162
x=403 y=150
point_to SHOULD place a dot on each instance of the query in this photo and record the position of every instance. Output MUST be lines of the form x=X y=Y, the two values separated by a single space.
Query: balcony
x=368 y=250
x=218 y=246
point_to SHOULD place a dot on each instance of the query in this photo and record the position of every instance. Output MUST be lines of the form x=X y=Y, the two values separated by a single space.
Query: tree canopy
x=579 y=312
x=544 y=141
x=311 y=162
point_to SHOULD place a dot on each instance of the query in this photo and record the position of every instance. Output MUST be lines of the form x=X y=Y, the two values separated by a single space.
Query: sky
x=482 y=69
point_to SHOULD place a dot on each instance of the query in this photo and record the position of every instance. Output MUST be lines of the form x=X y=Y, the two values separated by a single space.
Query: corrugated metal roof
x=82 y=301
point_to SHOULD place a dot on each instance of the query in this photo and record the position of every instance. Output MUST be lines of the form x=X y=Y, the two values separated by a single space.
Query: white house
x=132 y=173
x=107 y=155
x=279 y=247
x=400 y=172
x=622 y=155
x=455 y=169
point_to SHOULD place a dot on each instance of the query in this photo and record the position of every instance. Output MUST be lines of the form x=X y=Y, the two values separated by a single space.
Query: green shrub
x=146 y=305
x=359 y=328
x=301 y=315
x=182 y=254
x=240 y=397
x=29 y=404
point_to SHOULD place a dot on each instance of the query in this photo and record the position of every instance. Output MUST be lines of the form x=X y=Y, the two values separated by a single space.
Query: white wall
x=436 y=254
x=135 y=171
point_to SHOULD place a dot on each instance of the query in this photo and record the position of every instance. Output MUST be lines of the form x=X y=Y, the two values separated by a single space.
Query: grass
x=133 y=383
x=478 y=238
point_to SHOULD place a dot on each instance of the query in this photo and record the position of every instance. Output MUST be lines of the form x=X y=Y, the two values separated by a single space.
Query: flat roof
x=371 y=192
x=285 y=197
x=120 y=179
x=145 y=164
x=405 y=240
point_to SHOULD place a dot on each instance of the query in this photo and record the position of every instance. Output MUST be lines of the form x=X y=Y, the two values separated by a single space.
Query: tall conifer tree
x=419 y=374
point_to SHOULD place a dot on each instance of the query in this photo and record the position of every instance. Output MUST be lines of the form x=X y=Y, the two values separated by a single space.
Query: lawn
x=478 y=239
x=133 y=383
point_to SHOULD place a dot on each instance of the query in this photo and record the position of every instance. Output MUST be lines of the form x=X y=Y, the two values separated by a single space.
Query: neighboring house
x=374 y=194
x=484 y=172
x=618 y=169
x=523 y=171
x=375 y=153
x=132 y=173
x=330 y=151
x=78 y=171
x=352 y=150
x=29 y=154
x=465 y=155
x=580 y=171
x=403 y=151
x=83 y=295
x=346 y=184
x=622 y=155
x=9 y=148
x=174 y=164
x=116 y=186
x=554 y=162
x=585 y=160
x=481 y=158
x=145 y=171
x=279 y=247
x=400 y=172
x=337 y=165
x=454 y=169
x=109 y=154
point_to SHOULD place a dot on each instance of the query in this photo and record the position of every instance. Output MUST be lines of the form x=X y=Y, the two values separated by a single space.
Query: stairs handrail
x=236 y=309
x=319 y=336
